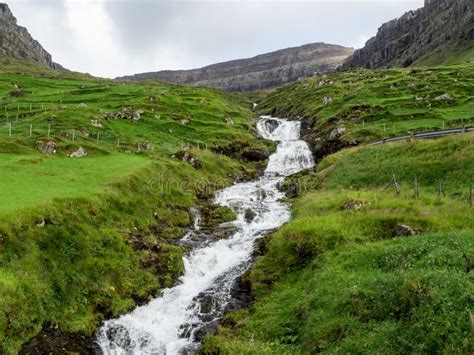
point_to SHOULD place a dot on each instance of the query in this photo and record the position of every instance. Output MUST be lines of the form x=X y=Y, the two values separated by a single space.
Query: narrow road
x=426 y=135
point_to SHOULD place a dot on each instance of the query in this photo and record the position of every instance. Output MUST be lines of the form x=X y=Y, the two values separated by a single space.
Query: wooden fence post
x=470 y=195
x=396 y=185
x=31 y=130
x=98 y=137
x=49 y=130
x=417 y=191
x=9 y=129
x=441 y=189
x=73 y=135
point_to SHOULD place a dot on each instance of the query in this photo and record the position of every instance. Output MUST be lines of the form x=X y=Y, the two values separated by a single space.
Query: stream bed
x=175 y=322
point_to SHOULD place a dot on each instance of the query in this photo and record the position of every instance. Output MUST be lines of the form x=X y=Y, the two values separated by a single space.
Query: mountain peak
x=263 y=71
x=6 y=13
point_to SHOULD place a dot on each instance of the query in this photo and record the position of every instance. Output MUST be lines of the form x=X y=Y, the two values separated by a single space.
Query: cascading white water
x=168 y=324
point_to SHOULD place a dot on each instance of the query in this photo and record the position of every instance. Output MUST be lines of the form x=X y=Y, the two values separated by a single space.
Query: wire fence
x=414 y=189
x=97 y=136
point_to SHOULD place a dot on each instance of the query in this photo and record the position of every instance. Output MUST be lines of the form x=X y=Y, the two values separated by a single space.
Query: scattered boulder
x=229 y=120
x=145 y=145
x=354 y=205
x=80 y=153
x=249 y=215
x=444 y=97
x=49 y=147
x=321 y=83
x=190 y=158
x=120 y=336
x=184 y=121
x=96 y=123
x=153 y=99
x=208 y=328
x=327 y=100
x=255 y=154
x=64 y=134
x=336 y=133
x=206 y=304
x=84 y=132
x=403 y=230
x=82 y=105
x=129 y=113
x=271 y=125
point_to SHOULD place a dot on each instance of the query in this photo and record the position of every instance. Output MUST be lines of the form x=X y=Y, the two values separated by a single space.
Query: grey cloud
x=148 y=35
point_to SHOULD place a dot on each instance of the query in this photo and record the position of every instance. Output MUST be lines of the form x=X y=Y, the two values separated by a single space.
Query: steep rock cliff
x=440 y=29
x=16 y=42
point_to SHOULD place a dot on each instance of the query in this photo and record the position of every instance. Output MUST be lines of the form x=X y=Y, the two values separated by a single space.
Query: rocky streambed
x=175 y=321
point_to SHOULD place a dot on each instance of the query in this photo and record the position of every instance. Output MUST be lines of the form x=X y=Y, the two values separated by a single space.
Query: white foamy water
x=170 y=324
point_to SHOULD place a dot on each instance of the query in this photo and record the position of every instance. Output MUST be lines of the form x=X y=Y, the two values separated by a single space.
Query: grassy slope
x=338 y=281
x=78 y=240
x=445 y=56
x=380 y=103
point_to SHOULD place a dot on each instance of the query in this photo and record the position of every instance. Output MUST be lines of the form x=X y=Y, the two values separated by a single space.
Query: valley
x=242 y=208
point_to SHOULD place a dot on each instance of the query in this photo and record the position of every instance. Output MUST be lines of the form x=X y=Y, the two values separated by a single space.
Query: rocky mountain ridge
x=16 y=42
x=435 y=31
x=260 y=72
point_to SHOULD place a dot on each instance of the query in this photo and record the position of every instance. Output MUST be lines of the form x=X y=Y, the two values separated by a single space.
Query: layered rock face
x=16 y=42
x=441 y=25
x=261 y=72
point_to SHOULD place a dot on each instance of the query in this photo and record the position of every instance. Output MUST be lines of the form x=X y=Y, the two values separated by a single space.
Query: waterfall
x=171 y=323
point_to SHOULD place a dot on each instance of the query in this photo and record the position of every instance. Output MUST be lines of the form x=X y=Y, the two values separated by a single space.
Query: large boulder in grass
x=337 y=133
x=47 y=147
x=255 y=154
x=144 y=146
x=404 y=230
x=190 y=158
x=80 y=153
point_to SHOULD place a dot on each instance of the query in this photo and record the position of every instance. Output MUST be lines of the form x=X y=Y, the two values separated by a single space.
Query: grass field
x=340 y=279
x=376 y=104
x=29 y=180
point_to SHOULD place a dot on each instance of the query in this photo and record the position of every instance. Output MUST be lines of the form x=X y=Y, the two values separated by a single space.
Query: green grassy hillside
x=85 y=239
x=345 y=276
x=375 y=104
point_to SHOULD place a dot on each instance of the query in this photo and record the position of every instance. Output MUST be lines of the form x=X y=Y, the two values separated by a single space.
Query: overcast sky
x=116 y=37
